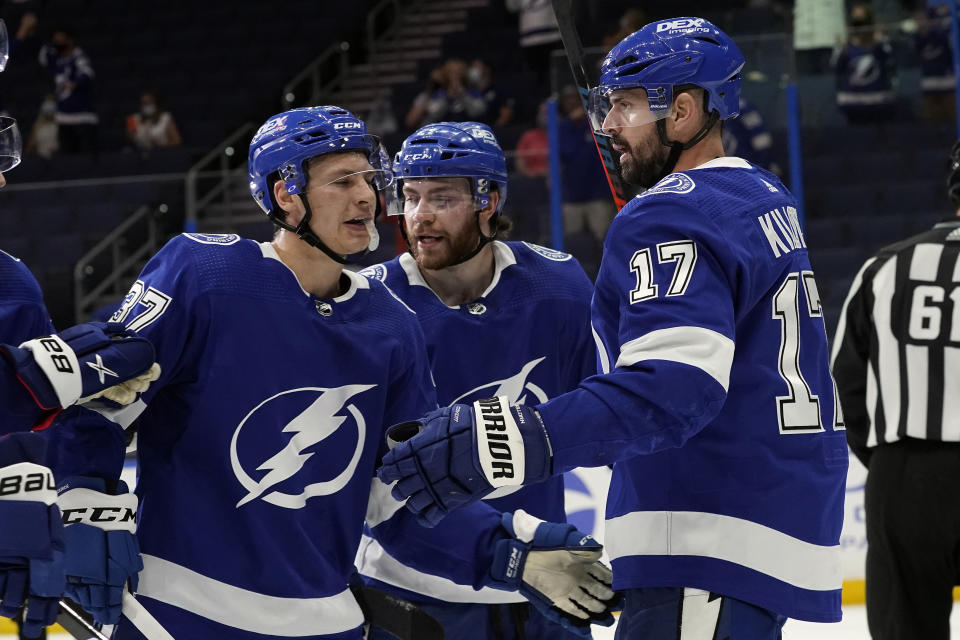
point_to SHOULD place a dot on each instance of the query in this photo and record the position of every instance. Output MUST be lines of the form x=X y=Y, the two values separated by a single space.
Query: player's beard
x=646 y=160
x=456 y=244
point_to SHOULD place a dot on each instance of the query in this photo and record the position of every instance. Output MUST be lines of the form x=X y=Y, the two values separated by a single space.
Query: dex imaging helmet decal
x=325 y=417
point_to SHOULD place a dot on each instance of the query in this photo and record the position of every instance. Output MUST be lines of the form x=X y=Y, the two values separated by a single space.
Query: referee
x=896 y=361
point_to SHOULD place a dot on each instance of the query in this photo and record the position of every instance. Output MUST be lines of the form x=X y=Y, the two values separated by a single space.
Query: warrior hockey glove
x=102 y=551
x=31 y=536
x=83 y=361
x=455 y=456
x=558 y=569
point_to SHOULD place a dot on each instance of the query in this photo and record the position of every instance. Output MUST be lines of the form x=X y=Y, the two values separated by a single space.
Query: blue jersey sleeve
x=165 y=306
x=665 y=305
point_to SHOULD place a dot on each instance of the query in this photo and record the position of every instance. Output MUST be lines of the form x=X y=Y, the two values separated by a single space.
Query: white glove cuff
x=59 y=364
x=499 y=443
x=110 y=513
x=525 y=525
x=28 y=481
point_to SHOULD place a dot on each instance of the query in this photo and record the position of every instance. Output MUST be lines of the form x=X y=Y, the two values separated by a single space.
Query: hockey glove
x=31 y=536
x=102 y=551
x=558 y=569
x=455 y=456
x=81 y=362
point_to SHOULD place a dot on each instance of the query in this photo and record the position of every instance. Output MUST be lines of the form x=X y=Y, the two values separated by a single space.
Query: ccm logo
x=99 y=514
x=491 y=412
x=347 y=125
x=413 y=157
x=680 y=24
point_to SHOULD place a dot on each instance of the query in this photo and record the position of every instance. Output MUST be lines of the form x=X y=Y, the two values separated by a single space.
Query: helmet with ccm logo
x=665 y=54
x=455 y=150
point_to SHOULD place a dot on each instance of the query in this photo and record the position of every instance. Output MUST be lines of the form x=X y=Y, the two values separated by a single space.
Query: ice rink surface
x=853 y=627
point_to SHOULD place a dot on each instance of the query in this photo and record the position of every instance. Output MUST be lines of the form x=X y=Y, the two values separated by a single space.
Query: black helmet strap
x=676 y=148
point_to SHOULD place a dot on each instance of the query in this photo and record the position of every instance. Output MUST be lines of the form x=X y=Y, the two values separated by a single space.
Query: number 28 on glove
x=456 y=455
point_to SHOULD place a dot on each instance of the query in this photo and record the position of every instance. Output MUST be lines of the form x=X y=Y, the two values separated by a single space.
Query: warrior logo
x=515 y=388
x=319 y=421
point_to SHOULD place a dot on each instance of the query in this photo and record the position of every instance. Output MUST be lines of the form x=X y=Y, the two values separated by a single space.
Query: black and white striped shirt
x=896 y=355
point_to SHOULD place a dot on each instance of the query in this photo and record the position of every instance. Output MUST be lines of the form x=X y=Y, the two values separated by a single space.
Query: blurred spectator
x=381 y=120
x=747 y=136
x=630 y=21
x=499 y=107
x=539 y=36
x=73 y=82
x=864 y=68
x=586 y=194
x=152 y=127
x=447 y=98
x=932 y=42
x=817 y=26
x=43 y=135
x=533 y=148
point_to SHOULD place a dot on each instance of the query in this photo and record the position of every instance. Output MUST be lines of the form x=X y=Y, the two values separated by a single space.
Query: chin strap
x=304 y=233
x=676 y=148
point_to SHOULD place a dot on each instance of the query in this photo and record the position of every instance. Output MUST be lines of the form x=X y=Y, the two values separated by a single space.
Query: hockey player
x=715 y=403
x=257 y=447
x=469 y=290
x=38 y=378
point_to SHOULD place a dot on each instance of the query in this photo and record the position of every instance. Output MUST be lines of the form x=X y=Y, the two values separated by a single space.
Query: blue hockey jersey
x=534 y=320
x=258 y=444
x=23 y=316
x=716 y=404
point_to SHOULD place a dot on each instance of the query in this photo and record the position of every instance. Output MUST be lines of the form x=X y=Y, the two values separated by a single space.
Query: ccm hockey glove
x=31 y=536
x=455 y=456
x=102 y=551
x=558 y=569
x=82 y=362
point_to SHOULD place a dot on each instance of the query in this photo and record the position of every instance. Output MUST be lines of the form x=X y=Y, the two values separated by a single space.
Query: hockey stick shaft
x=75 y=624
x=574 y=50
x=142 y=619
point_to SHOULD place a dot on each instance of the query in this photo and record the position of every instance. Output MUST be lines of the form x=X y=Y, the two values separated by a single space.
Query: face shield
x=437 y=197
x=11 y=145
x=4 y=45
x=623 y=108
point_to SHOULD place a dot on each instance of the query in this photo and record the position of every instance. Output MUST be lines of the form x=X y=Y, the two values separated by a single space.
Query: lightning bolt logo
x=314 y=424
x=513 y=387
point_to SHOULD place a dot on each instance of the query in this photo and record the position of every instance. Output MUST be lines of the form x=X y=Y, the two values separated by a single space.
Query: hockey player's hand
x=558 y=569
x=455 y=456
x=80 y=362
x=31 y=536
x=102 y=551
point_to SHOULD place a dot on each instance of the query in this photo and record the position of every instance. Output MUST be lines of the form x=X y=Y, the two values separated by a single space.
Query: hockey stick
x=574 y=51
x=396 y=616
x=75 y=624
x=138 y=615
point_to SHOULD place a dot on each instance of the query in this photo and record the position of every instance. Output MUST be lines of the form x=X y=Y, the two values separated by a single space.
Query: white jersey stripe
x=888 y=361
x=239 y=608
x=752 y=545
x=951 y=399
x=705 y=349
x=918 y=360
x=925 y=262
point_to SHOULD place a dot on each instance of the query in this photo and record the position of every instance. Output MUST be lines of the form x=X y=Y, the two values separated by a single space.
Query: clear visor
x=610 y=110
x=11 y=145
x=4 y=45
x=421 y=198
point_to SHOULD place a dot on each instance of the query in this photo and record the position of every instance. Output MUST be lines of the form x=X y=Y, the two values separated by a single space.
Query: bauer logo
x=499 y=443
x=277 y=442
x=214 y=238
x=673 y=183
x=685 y=23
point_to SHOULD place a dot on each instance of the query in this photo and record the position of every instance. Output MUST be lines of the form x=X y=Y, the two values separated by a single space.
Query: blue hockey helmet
x=661 y=56
x=288 y=139
x=455 y=150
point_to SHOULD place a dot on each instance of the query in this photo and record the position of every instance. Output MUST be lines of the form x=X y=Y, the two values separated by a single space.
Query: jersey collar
x=503 y=257
x=357 y=281
x=728 y=162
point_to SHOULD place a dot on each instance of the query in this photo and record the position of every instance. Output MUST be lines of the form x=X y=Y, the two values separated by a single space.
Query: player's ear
x=291 y=204
x=487 y=212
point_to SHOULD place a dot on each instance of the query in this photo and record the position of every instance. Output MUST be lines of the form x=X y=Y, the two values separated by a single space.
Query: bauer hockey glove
x=102 y=552
x=558 y=569
x=83 y=362
x=31 y=536
x=455 y=456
